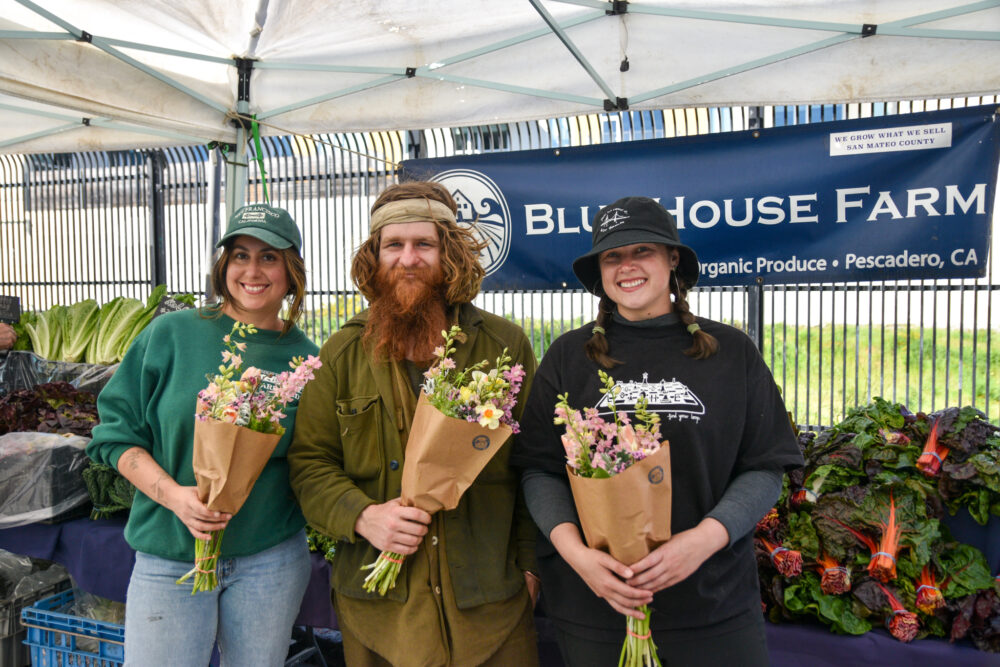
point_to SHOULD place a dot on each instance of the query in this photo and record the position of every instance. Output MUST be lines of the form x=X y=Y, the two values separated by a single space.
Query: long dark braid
x=597 y=347
x=705 y=344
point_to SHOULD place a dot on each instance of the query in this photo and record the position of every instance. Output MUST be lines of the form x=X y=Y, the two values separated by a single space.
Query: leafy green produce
x=864 y=515
x=79 y=324
x=46 y=332
x=23 y=341
x=53 y=407
x=115 y=326
x=141 y=318
x=109 y=492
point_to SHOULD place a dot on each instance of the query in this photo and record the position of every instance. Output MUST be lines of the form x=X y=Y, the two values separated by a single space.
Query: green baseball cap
x=270 y=224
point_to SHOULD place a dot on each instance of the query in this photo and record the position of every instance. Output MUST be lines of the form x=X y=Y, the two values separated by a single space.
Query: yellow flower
x=465 y=393
x=489 y=416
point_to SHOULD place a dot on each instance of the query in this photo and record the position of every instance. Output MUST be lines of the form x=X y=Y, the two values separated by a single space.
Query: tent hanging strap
x=233 y=115
x=255 y=130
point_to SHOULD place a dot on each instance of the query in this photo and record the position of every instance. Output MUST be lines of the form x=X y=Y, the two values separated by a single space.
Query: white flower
x=489 y=416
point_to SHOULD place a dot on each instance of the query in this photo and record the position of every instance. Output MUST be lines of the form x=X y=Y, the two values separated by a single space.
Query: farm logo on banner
x=888 y=198
x=481 y=205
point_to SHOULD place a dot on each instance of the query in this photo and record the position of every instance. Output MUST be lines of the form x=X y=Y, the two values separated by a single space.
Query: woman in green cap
x=147 y=415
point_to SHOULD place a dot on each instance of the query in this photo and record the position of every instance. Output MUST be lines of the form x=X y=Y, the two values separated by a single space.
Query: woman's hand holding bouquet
x=620 y=477
x=237 y=426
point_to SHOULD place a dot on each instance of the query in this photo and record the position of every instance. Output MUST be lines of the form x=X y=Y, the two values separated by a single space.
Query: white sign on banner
x=890 y=139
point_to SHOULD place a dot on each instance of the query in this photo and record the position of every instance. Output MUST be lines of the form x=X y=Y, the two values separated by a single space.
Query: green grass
x=825 y=371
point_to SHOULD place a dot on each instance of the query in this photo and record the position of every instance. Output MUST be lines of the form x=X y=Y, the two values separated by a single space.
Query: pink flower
x=515 y=374
x=251 y=376
x=447 y=364
x=627 y=438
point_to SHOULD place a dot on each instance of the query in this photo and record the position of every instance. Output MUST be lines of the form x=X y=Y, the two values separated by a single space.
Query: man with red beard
x=464 y=594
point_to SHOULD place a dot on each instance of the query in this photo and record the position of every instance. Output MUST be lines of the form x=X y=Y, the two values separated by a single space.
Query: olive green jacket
x=346 y=454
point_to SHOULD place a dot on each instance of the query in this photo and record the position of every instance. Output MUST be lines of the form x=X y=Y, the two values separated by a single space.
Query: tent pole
x=236 y=168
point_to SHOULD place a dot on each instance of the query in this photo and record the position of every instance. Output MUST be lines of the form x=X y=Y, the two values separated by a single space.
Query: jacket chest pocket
x=361 y=436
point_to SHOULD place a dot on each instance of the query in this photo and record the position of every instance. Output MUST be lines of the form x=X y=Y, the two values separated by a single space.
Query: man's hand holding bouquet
x=237 y=426
x=462 y=419
x=619 y=474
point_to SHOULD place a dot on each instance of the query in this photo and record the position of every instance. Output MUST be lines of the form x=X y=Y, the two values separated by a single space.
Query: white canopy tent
x=123 y=74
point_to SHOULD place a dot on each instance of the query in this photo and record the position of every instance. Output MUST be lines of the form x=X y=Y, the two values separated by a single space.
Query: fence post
x=157 y=218
x=755 y=313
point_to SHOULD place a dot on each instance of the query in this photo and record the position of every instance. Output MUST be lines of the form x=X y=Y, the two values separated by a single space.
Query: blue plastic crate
x=53 y=635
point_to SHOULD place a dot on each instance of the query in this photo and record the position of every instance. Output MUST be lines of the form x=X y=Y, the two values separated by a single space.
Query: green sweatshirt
x=150 y=403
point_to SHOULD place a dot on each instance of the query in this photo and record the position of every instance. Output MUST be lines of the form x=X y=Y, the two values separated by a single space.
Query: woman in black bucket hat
x=730 y=443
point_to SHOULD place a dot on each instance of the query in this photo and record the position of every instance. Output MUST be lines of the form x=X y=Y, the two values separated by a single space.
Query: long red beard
x=407 y=314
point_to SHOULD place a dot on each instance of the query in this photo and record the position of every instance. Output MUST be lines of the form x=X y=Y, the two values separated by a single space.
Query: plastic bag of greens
x=40 y=476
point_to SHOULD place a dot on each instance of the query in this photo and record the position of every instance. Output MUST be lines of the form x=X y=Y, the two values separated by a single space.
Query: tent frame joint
x=618 y=104
x=618 y=7
x=85 y=37
x=411 y=72
x=869 y=29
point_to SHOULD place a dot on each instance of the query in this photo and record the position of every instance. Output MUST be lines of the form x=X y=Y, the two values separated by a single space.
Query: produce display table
x=96 y=554
x=99 y=559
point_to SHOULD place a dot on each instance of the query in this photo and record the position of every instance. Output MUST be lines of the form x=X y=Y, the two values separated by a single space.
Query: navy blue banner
x=887 y=198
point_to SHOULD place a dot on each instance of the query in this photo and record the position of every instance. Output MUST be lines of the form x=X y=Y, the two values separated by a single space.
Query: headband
x=410 y=210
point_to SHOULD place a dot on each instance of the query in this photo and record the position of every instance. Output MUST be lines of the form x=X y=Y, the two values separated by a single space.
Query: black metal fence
x=100 y=225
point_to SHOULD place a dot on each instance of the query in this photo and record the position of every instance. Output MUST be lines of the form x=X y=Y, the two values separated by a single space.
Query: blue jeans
x=250 y=614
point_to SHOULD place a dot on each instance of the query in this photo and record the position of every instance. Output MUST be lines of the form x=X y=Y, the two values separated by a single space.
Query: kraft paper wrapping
x=227 y=461
x=444 y=455
x=628 y=514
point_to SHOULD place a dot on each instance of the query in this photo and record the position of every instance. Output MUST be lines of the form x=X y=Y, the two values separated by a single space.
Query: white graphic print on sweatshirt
x=671 y=399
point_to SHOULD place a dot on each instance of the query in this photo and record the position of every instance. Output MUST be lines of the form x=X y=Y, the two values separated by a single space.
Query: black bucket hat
x=633 y=220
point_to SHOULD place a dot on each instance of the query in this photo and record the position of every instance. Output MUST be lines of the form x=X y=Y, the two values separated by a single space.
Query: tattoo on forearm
x=132 y=460
x=157 y=491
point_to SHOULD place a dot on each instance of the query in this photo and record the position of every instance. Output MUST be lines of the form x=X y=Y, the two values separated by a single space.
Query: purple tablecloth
x=96 y=554
x=99 y=559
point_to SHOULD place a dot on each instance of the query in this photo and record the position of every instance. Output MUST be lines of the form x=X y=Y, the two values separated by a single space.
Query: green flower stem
x=206 y=555
x=384 y=572
x=639 y=649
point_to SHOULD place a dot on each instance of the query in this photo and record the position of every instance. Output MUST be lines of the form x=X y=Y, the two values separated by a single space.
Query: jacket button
x=437 y=589
x=394 y=464
x=434 y=540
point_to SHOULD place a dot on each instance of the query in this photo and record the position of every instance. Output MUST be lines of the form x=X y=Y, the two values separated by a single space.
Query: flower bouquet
x=620 y=478
x=461 y=421
x=236 y=429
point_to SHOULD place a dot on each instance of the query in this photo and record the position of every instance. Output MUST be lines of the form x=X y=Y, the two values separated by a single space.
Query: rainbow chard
x=902 y=623
x=882 y=565
x=803 y=497
x=835 y=578
x=929 y=596
x=933 y=455
x=769 y=522
x=787 y=562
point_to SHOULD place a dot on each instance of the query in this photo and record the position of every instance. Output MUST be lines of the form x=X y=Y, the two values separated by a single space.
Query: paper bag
x=227 y=461
x=444 y=455
x=628 y=514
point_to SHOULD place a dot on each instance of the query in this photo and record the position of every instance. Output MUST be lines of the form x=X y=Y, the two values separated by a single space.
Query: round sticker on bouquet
x=655 y=475
x=481 y=442
x=481 y=206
